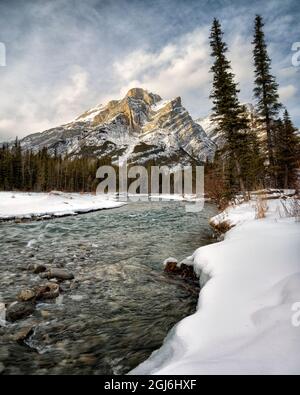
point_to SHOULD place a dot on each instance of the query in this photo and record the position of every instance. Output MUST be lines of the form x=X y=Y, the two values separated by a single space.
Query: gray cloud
x=64 y=56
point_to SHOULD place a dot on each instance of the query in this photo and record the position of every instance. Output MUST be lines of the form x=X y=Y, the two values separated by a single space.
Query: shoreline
x=22 y=207
x=48 y=217
x=252 y=280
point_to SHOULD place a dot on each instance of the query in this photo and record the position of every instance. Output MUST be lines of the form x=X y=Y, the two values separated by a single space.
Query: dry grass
x=261 y=207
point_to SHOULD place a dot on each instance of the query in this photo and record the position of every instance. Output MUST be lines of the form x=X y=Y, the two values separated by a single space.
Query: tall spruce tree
x=227 y=110
x=265 y=91
x=17 y=165
x=287 y=151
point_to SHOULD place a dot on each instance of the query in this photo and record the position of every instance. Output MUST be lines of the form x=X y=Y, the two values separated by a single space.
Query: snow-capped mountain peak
x=139 y=127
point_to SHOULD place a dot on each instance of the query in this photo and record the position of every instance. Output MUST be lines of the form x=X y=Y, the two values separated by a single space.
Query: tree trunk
x=286 y=177
x=270 y=148
x=269 y=142
x=239 y=173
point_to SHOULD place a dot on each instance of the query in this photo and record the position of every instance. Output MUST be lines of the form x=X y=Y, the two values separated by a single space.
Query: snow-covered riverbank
x=54 y=204
x=246 y=321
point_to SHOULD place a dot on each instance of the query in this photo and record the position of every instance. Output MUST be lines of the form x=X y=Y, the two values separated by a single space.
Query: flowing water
x=121 y=305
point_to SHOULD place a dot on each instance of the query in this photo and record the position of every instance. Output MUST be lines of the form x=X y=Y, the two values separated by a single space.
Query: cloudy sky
x=64 y=56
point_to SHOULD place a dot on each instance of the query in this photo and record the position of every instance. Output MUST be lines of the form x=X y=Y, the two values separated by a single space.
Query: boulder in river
x=47 y=291
x=26 y=294
x=39 y=269
x=36 y=268
x=187 y=272
x=59 y=274
x=23 y=334
x=172 y=266
x=18 y=310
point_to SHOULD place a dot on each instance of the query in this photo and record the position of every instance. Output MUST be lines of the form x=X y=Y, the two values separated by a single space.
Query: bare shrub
x=215 y=188
x=221 y=227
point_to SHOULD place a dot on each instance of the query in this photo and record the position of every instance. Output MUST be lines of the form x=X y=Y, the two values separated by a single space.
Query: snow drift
x=245 y=320
x=54 y=204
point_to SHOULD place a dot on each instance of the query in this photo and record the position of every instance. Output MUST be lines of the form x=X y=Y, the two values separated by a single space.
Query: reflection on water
x=120 y=306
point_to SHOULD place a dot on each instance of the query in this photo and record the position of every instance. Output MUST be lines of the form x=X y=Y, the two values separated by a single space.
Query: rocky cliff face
x=138 y=128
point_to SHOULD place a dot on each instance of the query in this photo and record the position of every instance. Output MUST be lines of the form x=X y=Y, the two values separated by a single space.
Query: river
x=121 y=305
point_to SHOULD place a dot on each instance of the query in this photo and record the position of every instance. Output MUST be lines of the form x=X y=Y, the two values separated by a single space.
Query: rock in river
x=186 y=271
x=26 y=295
x=47 y=291
x=171 y=266
x=36 y=268
x=19 y=310
x=59 y=274
x=23 y=334
x=39 y=268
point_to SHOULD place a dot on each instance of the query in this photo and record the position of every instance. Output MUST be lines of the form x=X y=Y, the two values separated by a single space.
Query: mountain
x=210 y=126
x=138 y=128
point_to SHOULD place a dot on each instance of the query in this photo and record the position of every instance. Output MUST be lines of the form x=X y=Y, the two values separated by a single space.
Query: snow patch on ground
x=244 y=319
x=54 y=204
x=235 y=215
x=238 y=214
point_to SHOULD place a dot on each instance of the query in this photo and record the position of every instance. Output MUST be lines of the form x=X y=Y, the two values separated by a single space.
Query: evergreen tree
x=253 y=162
x=17 y=170
x=227 y=110
x=265 y=91
x=286 y=151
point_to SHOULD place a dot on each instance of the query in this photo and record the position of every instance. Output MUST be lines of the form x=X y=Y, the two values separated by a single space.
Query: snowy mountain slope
x=210 y=126
x=138 y=128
